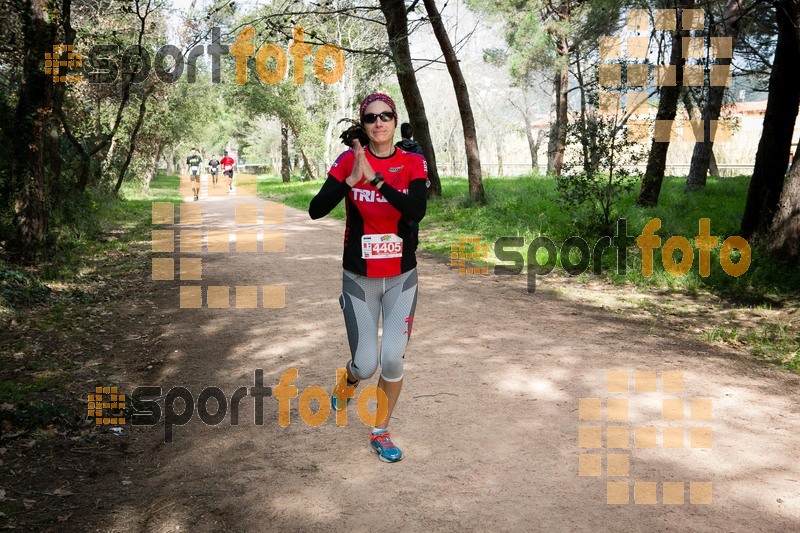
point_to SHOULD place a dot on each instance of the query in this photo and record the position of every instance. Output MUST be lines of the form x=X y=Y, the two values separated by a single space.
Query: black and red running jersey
x=379 y=240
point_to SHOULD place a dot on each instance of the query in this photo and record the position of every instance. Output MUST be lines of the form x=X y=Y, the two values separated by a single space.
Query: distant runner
x=193 y=164
x=213 y=163
x=227 y=163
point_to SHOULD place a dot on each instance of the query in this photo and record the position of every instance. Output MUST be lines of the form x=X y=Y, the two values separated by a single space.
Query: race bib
x=194 y=168
x=228 y=167
x=379 y=246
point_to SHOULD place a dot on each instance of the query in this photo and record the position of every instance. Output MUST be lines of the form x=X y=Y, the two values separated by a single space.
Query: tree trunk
x=713 y=169
x=667 y=109
x=397 y=29
x=784 y=240
x=558 y=130
x=132 y=140
x=153 y=170
x=776 y=136
x=32 y=115
x=285 y=162
x=462 y=98
x=307 y=165
x=703 y=151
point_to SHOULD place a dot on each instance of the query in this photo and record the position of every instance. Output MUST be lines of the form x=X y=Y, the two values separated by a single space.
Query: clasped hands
x=362 y=170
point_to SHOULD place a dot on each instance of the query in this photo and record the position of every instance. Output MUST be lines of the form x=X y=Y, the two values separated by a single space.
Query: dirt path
x=488 y=418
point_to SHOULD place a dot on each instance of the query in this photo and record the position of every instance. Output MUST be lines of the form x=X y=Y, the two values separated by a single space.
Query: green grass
x=528 y=207
x=776 y=343
x=80 y=245
x=99 y=225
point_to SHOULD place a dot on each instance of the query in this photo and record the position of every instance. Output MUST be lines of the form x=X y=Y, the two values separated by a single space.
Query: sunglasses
x=369 y=118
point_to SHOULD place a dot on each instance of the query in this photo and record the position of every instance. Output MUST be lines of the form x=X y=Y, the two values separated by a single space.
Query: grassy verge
x=58 y=308
x=527 y=207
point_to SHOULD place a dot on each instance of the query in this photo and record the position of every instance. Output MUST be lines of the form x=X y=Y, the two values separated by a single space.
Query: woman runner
x=385 y=190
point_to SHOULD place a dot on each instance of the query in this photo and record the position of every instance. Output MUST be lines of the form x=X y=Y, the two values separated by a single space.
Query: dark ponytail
x=356 y=131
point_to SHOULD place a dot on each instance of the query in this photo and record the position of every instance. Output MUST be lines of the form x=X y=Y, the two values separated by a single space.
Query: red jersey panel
x=378 y=239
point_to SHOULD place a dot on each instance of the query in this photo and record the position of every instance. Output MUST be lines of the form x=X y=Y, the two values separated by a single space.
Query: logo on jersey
x=396 y=169
x=364 y=195
x=336 y=163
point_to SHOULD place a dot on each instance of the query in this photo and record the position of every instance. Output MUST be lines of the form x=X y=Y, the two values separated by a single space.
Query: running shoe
x=382 y=444
x=335 y=402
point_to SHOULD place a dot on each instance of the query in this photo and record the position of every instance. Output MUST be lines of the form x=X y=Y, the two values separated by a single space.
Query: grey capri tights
x=362 y=301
